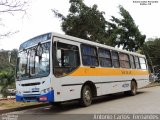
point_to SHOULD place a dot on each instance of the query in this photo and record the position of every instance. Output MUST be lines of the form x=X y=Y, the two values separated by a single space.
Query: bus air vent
x=31 y=84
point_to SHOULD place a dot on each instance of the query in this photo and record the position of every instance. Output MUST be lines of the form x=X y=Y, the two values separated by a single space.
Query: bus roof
x=94 y=43
x=46 y=36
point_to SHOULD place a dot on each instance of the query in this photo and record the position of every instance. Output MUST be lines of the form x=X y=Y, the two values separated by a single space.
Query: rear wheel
x=133 y=88
x=86 y=96
x=56 y=104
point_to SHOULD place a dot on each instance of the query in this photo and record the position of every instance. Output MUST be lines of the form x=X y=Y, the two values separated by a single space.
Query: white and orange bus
x=55 y=68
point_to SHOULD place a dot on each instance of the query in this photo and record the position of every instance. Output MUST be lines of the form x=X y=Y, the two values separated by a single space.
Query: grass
x=153 y=84
x=11 y=103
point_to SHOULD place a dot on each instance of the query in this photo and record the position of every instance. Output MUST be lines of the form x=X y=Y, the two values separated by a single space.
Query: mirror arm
x=56 y=48
x=39 y=49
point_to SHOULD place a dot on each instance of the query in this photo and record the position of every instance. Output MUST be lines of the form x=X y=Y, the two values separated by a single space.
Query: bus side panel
x=71 y=86
x=142 y=83
x=109 y=88
x=71 y=92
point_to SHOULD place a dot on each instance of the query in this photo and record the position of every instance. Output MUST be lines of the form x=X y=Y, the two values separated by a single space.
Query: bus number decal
x=125 y=85
x=126 y=72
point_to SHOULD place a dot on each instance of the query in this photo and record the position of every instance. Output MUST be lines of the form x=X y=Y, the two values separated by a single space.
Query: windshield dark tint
x=31 y=65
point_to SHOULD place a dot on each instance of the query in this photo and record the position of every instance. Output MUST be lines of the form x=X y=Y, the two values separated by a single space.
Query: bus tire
x=86 y=96
x=133 y=88
x=56 y=104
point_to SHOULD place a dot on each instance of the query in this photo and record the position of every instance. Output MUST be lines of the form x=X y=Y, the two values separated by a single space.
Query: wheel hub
x=87 y=96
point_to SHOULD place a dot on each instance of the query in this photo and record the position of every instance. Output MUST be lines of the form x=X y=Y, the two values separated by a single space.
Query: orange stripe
x=86 y=71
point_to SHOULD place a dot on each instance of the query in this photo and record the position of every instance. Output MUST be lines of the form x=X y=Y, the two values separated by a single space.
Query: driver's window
x=59 y=55
x=66 y=58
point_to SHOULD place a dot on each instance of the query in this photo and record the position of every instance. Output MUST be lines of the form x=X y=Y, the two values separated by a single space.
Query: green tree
x=7 y=72
x=152 y=52
x=89 y=23
x=7 y=80
x=124 y=32
x=4 y=62
x=84 y=22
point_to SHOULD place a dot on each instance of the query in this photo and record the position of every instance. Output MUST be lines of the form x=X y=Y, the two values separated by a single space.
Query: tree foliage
x=7 y=81
x=7 y=72
x=152 y=51
x=84 y=22
x=4 y=61
x=89 y=23
x=124 y=32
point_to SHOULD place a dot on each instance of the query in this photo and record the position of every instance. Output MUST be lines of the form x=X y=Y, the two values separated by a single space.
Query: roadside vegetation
x=11 y=103
x=7 y=72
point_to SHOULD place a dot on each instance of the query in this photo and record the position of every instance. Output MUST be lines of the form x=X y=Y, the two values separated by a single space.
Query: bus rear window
x=143 y=63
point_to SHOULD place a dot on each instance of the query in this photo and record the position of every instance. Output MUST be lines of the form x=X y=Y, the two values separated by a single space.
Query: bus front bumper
x=48 y=97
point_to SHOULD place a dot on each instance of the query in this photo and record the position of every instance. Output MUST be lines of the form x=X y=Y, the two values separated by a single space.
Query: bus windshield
x=31 y=65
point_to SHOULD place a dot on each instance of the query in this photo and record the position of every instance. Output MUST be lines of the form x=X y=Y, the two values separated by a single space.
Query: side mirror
x=39 y=50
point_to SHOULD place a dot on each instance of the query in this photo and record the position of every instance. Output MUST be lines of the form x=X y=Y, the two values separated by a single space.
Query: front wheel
x=86 y=96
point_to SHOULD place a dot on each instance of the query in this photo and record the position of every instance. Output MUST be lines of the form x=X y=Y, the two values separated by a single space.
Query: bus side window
x=89 y=55
x=137 y=62
x=132 y=62
x=143 y=63
x=104 y=57
x=124 y=60
x=65 y=58
x=115 y=59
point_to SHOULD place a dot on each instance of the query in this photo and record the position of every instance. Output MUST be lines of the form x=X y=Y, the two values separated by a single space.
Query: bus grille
x=27 y=99
x=31 y=84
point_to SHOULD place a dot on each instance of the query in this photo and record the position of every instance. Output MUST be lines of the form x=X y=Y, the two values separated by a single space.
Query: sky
x=40 y=19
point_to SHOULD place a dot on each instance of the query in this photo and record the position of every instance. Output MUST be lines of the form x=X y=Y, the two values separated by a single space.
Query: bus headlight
x=46 y=90
x=43 y=91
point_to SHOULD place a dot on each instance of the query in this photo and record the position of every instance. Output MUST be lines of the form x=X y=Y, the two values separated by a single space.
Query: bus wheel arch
x=88 y=91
